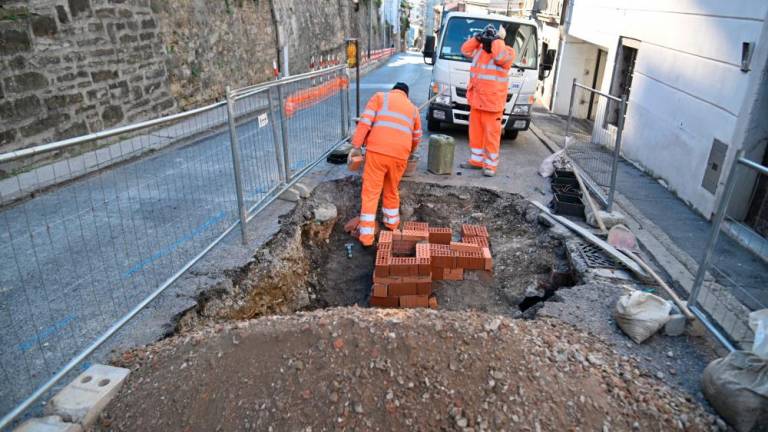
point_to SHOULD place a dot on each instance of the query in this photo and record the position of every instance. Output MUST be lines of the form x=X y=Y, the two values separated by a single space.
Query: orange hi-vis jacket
x=488 y=75
x=390 y=125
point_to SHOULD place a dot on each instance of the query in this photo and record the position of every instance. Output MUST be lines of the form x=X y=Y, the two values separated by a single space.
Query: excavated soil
x=374 y=369
x=306 y=264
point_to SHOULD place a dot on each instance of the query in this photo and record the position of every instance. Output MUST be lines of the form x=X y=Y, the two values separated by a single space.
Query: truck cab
x=450 y=73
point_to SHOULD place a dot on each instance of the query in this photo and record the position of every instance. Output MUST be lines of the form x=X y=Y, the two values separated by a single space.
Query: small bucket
x=413 y=162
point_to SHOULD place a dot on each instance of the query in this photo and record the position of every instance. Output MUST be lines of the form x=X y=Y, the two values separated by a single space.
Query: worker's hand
x=355 y=152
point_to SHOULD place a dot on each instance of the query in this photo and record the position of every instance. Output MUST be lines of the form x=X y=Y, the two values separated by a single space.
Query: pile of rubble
x=408 y=260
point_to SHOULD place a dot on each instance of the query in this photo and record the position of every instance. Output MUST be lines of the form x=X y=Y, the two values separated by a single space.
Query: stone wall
x=70 y=67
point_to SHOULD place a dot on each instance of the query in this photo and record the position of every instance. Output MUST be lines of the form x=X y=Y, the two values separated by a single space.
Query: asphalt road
x=76 y=258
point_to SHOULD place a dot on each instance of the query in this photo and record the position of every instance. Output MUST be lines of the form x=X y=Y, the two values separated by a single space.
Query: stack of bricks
x=408 y=260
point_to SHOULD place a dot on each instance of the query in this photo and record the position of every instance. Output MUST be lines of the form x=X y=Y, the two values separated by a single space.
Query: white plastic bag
x=547 y=167
x=758 y=321
x=641 y=314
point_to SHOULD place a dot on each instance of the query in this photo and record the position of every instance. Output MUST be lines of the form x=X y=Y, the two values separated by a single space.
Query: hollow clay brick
x=471 y=260
x=415 y=235
x=414 y=301
x=440 y=235
x=425 y=266
x=424 y=288
x=402 y=289
x=383 y=259
x=487 y=259
x=422 y=250
x=455 y=274
x=416 y=279
x=415 y=226
x=385 y=237
x=403 y=266
x=480 y=241
x=387 y=302
x=465 y=247
x=379 y=290
x=437 y=273
x=433 y=302
x=468 y=230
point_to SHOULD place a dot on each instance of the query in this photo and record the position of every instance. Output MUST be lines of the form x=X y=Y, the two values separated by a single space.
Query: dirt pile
x=351 y=368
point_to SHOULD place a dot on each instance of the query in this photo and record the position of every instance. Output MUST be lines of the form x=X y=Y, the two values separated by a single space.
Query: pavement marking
x=173 y=246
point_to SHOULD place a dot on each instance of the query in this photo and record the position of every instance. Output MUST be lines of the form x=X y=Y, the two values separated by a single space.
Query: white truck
x=450 y=73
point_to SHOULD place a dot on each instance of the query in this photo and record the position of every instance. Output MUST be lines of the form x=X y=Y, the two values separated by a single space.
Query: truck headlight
x=443 y=99
x=521 y=109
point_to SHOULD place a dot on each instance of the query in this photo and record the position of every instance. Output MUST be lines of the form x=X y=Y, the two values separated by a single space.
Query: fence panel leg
x=616 y=153
x=235 y=149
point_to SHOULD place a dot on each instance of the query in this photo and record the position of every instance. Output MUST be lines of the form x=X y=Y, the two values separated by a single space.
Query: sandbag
x=547 y=167
x=641 y=314
x=758 y=322
x=737 y=387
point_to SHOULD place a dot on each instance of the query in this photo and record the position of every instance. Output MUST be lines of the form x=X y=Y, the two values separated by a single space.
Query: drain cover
x=594 y=257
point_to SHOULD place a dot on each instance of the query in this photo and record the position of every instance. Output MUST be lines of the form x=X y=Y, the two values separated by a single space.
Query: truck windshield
x=521 y=37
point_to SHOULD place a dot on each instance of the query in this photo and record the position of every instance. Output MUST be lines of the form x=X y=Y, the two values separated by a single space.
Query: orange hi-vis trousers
x=381 y=173
x=484 y=138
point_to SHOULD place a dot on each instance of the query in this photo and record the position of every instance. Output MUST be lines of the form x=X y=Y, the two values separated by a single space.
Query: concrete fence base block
x=304 y=191
x=676 y=325
x=82 y=400
x=291 y=195
x=48 y=424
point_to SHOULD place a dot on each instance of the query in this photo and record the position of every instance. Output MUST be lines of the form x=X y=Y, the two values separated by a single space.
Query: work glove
x=354 y=152
x=478 y=36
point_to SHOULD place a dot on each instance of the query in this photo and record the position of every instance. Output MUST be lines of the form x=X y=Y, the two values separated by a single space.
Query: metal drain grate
x=594 y=257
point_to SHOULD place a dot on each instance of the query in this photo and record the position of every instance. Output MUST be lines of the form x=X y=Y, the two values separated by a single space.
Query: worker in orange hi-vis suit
x=487 y=94
x=390 y=128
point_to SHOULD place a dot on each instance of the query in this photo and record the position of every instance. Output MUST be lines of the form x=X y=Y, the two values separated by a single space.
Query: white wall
x=687 y=87
x=577 y=61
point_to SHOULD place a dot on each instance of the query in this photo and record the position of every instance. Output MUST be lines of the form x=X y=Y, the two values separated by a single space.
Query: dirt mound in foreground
x=363 y=369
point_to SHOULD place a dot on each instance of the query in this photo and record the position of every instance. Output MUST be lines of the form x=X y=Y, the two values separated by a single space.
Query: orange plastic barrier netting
x=306 y=98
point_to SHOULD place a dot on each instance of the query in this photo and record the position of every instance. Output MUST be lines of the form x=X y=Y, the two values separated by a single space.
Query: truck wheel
x=433 y=125
x=510 y=135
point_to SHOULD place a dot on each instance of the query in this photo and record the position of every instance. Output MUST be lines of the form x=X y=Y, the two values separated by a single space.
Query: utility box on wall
x=714 y=166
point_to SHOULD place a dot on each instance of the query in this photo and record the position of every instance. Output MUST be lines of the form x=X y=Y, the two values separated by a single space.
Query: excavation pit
x=309 y=263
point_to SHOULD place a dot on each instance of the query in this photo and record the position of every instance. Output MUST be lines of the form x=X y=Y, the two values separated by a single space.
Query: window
x=521 y=37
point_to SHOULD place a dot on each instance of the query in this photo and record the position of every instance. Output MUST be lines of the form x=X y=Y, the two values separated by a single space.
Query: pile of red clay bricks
x=408 y=260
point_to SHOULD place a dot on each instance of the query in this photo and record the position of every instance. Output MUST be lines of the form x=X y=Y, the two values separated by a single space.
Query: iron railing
x=127 y=220
x=593 y=138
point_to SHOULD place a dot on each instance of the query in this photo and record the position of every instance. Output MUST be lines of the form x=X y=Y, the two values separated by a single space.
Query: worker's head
x=401 y=86
x=502 y=33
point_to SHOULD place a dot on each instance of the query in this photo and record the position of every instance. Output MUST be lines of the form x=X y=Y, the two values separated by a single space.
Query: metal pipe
x=6 y=421
x=276 y=138
x=616 y=153
x=722 y=209
x=235 y=149
x=247 y=91
x=58 y=145
x=609 y=96
x=570 y=113
x=754 y=165
x=283 y=134
x=711 y=327
x=342 y=113
x=357 y=84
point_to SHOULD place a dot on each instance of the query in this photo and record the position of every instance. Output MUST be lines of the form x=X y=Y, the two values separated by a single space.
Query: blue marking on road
x=46 y=333
x=175 y=245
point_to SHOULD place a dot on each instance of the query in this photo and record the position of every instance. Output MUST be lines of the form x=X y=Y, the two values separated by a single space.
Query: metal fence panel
x=593 y=138
x=129 y=217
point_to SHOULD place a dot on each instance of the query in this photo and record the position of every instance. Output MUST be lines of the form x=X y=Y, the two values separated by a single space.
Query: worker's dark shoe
x=489 y=173
x=467 y=165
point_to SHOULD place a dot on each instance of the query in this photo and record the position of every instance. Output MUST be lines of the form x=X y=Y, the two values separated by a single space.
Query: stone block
x=291 y=194
x=48 y=424
x=14 y=41
x=61 y=13
x=676 y=325
x=325 y=212
x=104 y=75
x=79 y=8
x=112 y=115
x=25 y=82
x=28 y=106
x=43 y=25
x=303 y=189
x=83 y=399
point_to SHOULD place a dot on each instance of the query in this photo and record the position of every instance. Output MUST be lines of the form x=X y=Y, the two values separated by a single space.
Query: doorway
x=623 y=71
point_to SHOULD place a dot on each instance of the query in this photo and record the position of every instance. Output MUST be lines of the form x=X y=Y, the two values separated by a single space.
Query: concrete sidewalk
x=668 y=222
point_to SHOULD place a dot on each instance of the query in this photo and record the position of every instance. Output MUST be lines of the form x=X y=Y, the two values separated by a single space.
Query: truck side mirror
x=429 y=50
x=548 y=60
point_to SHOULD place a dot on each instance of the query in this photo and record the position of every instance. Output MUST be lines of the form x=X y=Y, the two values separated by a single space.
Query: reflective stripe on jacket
x=488 y=75
x=390 y=125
